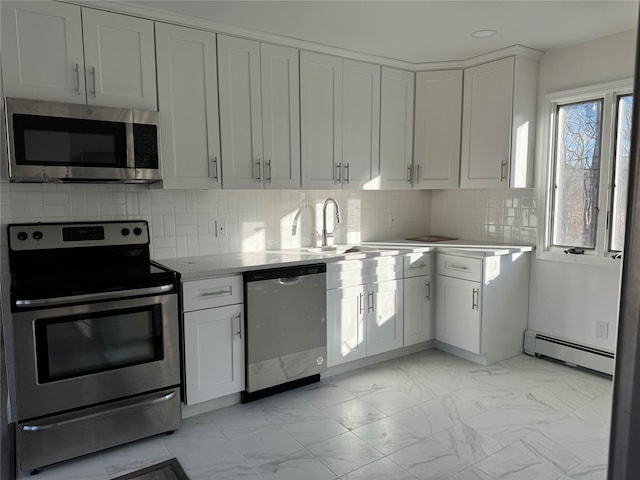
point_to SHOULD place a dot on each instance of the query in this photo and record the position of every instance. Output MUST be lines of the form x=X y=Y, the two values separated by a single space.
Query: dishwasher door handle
x=289 y=280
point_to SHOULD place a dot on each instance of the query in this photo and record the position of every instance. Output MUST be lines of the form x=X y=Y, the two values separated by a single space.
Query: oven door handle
x=89 y=297
x=153 y=401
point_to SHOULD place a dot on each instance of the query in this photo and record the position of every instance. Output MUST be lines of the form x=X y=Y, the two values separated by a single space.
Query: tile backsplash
x=189 y=223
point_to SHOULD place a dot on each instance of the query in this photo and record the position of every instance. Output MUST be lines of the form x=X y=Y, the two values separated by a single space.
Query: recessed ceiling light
x=483 y=33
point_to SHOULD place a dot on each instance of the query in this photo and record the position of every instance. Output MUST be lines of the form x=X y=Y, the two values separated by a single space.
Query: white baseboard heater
x=540 y=345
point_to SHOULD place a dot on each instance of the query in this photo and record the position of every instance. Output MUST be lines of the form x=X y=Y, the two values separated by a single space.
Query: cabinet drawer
x=417 y=264
x=460 y=267
x=358 y=272
x=212 y=292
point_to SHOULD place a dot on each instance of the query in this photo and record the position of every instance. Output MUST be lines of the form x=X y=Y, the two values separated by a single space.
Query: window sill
x=585 y=259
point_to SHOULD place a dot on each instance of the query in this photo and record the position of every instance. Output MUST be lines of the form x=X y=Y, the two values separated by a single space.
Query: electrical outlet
x=221 y=228
x=602 y=329
x=392 y=220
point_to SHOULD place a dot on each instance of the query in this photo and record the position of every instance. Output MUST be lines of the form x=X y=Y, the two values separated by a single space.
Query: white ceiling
x=420 y=31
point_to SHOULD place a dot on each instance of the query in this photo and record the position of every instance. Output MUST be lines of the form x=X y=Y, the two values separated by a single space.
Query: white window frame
x=608 y=92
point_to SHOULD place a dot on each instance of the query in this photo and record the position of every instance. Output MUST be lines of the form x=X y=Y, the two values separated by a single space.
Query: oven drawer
x=212 y=292
x=61 y=437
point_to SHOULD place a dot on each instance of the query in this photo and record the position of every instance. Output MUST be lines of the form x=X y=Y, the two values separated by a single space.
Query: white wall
x=568 y=299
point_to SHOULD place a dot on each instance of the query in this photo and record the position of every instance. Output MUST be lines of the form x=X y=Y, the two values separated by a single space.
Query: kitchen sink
x=342 y=249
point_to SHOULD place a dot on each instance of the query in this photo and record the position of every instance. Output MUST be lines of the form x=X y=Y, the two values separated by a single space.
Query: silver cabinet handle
x=428 y=296
x=214 y=168
x=371 y=301
x=268 y=175
x=339 y=173
x=77 y=69
x=460 y=268
x=89 y=297
x=410 y=174
x=238 y=316
x=502 y=165
x=216 y=293
x=110 y=411
x=417 y=173
x=361 y=303
x=474 y=299
x=259 y=163
x=417 y=265
x=346 y=173
x=93 y=75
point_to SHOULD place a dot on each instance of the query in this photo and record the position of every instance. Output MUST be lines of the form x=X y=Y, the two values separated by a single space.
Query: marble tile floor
x=424 y=416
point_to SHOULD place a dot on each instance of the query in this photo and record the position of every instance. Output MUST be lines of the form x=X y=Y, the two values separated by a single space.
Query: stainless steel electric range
x=95 y=339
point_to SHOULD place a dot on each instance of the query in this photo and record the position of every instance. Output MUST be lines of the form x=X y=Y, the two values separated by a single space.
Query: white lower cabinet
x=213 y=338
x=417 y=310
x=364 y=308
x=458 y=307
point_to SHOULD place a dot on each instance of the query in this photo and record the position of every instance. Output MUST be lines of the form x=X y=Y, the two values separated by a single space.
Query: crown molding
x=152 y=13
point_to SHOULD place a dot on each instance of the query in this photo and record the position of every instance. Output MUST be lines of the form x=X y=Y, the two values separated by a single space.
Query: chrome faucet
x=326 y=234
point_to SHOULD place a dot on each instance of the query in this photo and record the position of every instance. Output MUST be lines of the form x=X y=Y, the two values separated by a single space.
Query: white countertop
x=193 y=268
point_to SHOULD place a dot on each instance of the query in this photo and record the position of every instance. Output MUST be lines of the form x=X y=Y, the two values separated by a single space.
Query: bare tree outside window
x=621 y=177
x=577 y=174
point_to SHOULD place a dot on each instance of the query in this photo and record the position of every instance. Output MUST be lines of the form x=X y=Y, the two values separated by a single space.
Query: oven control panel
x=41 y=236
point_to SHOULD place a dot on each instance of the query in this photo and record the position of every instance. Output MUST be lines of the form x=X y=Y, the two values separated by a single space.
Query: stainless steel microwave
x=63 y=142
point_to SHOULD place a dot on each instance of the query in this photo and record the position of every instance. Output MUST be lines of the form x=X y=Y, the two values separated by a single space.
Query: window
x=588 y=170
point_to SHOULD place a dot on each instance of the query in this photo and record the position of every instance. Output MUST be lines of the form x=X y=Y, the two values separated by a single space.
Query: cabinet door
x=188 y=101
x=321 y=120
x=280 y=116
x=417 y=310
x=240 y=112
x=361 y=125
x=120 y=67
x=214 y=352
x=345 y=325
x=396 y=128
x=486 y=124
x=437 y=130
x=384 y=317
x=458 y=304
x=42 y=51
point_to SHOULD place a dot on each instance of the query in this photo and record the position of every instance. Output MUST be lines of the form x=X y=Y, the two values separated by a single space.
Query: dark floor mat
x=168 y=470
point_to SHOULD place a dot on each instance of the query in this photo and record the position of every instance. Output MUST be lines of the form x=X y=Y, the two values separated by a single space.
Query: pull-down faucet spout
x=326 y=234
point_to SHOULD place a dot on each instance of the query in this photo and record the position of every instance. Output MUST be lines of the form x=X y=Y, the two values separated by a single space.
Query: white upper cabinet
x=59 y=52
x=42 y=51
x=321 y=120
x=119 y=52
x=259 y=123
x=188 y=103
x=498 y=125
x=436 y=160
x=396 y=128
x=361 y=125
x=280 y=74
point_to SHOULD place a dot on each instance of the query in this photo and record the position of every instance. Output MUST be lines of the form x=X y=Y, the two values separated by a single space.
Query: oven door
x=74 y=356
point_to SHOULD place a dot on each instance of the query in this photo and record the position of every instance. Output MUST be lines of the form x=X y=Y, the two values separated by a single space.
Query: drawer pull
x=217 y=293
x=418 y=265
x=460 y=268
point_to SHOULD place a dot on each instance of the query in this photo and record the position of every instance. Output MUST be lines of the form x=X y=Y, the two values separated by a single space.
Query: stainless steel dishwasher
x=285 y=330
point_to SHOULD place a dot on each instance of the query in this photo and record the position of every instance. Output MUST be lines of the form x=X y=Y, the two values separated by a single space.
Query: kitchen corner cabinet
x=259 y=114
x=60 y=52
x=213 y=338
x=340 y=122
x=364 y=308
x=188 y=104
x=482 y=304
x=498 y=124
x=396 y=128
x=418 y=305
x=438 y=114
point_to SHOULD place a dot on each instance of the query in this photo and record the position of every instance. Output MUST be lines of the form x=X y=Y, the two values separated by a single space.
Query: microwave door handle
x=89 y=297
x=131 y=154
